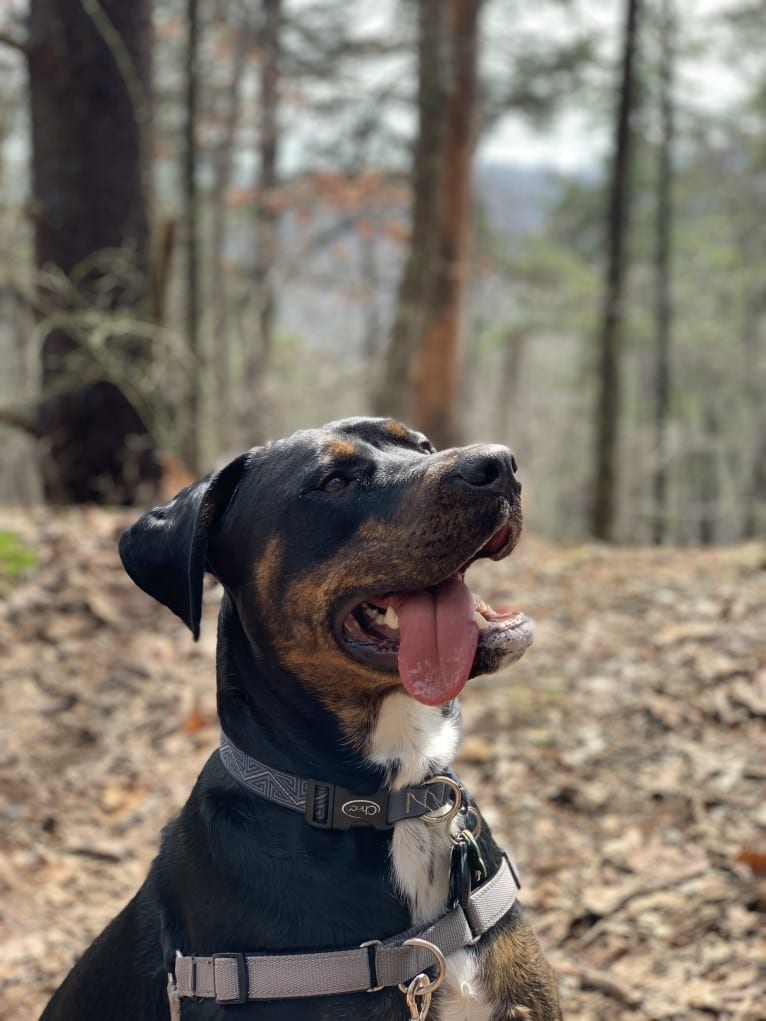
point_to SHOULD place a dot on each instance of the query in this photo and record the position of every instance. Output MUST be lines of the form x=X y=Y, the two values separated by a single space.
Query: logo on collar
x=360 y=809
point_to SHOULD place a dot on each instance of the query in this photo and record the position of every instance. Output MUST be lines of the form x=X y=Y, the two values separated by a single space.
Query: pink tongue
x=438 y=639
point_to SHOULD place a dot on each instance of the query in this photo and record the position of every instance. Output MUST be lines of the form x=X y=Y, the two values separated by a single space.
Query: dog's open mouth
x=436 y=637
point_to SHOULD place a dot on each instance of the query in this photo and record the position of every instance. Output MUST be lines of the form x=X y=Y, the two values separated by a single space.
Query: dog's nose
x=487 y=466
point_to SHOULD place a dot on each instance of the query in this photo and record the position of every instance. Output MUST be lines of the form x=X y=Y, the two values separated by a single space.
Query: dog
x=328 y=865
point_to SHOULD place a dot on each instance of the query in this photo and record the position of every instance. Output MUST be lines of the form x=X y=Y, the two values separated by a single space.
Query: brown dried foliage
x=621 y=761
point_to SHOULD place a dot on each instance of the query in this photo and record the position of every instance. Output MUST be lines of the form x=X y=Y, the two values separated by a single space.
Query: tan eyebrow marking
x=339 y=449
x=401 y=432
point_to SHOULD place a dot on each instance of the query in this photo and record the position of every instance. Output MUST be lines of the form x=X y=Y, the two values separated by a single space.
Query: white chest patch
x=412 y=742
x=461 y=998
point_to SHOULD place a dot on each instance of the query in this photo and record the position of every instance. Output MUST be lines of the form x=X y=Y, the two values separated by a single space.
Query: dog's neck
x=410 y=741
x=271 y=716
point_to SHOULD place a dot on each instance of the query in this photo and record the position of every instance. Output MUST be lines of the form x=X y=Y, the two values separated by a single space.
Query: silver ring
x=437 y=820
x=432 y=984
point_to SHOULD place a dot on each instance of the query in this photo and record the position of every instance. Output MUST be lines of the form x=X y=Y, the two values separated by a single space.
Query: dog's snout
x=487 y=467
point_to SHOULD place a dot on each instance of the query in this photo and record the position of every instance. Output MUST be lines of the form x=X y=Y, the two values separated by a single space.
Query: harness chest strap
x=237 y=978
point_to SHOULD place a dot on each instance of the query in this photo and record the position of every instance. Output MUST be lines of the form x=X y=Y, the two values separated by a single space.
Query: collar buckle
x=331 y=807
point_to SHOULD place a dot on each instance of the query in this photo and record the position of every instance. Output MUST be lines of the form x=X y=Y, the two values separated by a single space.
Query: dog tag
x=476 y=864
x=460 y=872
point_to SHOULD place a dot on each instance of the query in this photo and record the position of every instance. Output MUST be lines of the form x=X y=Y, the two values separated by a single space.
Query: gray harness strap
x=237 y=978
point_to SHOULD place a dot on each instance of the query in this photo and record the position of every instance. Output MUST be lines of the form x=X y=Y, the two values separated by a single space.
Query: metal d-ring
x=417 y=987
x=457 y=792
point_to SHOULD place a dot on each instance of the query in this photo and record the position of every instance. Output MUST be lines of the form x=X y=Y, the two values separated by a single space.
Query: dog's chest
x=413 y=742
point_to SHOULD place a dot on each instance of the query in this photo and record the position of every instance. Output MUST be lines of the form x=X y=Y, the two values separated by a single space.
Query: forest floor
x=622 y=761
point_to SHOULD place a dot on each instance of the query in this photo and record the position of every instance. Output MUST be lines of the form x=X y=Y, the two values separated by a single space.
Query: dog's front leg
x=515 y=975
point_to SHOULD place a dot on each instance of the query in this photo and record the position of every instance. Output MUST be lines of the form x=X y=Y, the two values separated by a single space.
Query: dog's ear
x=165 y=551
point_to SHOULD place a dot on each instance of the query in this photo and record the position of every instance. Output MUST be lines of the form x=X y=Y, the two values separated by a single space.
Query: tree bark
x=436 y=378
x=222 y=174
x=394 y=395
x=663 y=270
x=610 y=339
x=708 y=487
x=191 y=217
x=509 y=374
x=90 y=102
x=266 y=220
x=754 y=495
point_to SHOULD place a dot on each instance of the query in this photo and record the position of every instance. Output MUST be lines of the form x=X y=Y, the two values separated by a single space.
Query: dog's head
x=344 y=550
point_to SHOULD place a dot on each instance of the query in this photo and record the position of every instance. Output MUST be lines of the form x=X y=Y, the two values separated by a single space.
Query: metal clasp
x=421 y=987
x=332 y=808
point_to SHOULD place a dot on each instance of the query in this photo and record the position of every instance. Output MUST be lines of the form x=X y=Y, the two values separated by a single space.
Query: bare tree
x=222 y=166
x=266 y=217
x=663 y=270
x=191 y=220
x=610 y=337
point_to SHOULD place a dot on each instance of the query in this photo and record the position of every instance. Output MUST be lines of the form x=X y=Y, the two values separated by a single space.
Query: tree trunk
x=754 y=521
x=436 y=377
x=219 y=291
x=509 y=374
x=266 y=222
x=191 y=425
x=90 y=95
x=754 y=495
x=663 y=309
x=610 y=339
x=708 y=488
x=394 y=395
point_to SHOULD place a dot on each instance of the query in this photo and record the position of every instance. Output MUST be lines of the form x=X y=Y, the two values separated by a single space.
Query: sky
x=576 y=139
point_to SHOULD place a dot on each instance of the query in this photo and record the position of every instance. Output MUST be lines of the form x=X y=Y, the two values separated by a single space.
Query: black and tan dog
x=346 y=631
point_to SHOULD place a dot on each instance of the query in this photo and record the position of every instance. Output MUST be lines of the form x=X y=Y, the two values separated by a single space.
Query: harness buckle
x=330 y=807
x=242 y=979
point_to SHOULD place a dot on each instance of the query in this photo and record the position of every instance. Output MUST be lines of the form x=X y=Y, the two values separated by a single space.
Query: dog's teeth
x=481 y=622
x=481 y=605
x=391 y=619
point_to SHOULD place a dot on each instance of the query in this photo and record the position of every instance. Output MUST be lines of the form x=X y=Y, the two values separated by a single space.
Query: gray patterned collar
x=327 y=806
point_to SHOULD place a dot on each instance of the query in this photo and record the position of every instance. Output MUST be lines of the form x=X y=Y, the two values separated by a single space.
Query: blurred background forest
x=543 y=225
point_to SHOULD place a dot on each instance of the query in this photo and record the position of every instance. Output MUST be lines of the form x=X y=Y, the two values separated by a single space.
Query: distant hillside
x=515 y=200
x=333 y=289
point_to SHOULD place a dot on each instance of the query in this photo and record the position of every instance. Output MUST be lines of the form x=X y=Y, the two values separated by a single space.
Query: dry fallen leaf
x=621 y=762
x=755 y=860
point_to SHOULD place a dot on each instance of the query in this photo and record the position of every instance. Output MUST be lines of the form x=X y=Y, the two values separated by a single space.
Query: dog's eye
x=334 y=483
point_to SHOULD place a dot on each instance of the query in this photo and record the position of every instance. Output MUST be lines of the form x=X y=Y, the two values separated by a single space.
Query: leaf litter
x=622 y=761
